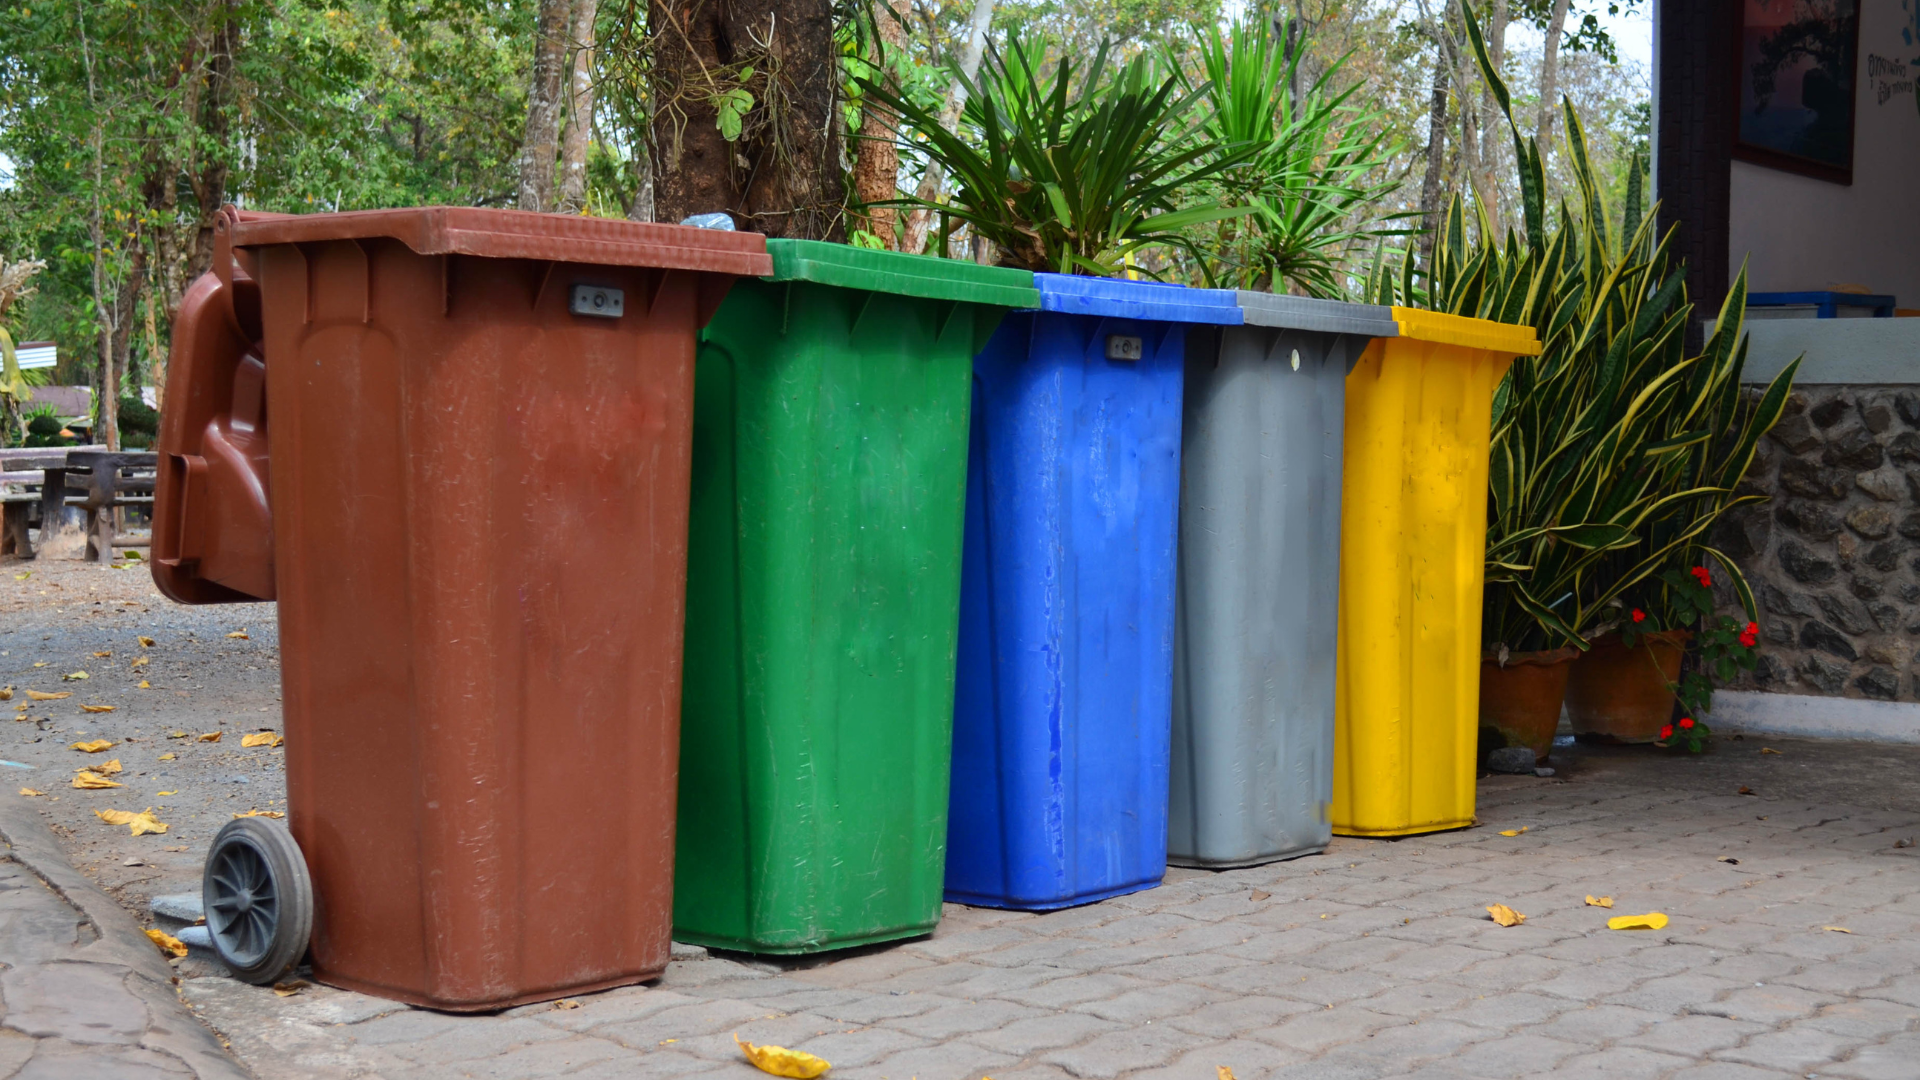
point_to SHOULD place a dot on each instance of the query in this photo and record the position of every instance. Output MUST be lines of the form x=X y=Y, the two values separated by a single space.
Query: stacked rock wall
x=1834 y=556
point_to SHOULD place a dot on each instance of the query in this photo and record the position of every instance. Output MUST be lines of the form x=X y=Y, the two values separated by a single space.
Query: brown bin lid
x=521 y=234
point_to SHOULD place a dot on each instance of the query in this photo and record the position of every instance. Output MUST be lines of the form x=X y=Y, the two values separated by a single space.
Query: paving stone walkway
x=1374 y=960
x=86 y=995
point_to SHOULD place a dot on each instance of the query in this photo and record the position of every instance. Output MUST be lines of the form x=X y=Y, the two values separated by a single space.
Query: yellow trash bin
x=1413 y=535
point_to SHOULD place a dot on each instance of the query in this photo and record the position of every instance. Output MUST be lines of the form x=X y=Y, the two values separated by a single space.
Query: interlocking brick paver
x=957 y=1018
x=1773 y=1003
x=1322 y=1028
x=1694 y=1034
x=1517 y=1055
x=1117 y=1053
x=1617 y=1062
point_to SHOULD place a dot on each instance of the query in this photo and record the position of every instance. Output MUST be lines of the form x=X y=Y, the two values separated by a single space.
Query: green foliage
x=1076 y=171
x=44 y=428
x=1310 y=185
x=1723 y=646
x=1613 y=452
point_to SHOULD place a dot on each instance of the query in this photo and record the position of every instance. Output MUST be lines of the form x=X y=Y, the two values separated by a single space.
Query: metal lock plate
x=597 y=300
x=1124 y=347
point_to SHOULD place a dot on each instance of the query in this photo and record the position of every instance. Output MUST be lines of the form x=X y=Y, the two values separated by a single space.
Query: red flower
x=1639 y=616
x=1753 y=628
x=1748 y=640
x=1686 y=721
x=1700 y=574
x=1666 y=733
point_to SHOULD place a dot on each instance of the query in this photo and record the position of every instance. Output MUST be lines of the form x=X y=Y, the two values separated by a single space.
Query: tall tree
x=745 y=120
x=876 y=169
x=934 y=178
x=1549 y=76
x=546 y=104
x=579 y=132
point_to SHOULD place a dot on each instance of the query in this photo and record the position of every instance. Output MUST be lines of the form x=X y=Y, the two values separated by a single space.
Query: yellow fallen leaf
x=241 y=634
x=1599 y=901
x=23 y=577
x=144 y=685
x=166 y=793
x=140 y=661
x=99 y=655
x=1652 y=920
x=31 y=794
x=98 y=708
x=1515 y=832
x=107 y=769
x=92 y=747
x=6 y=693
x=288 y=989
x=88 y=780
x=176 y=734
x=781 y=1061
x=211 y=736
x=261 y=813
x=145 y=640
x=168 y=756
x=39 y=663
x=1728 y=859
x=1505 y=915
x=169 y=944
x=1221 y=1072
x=140 y=824
x=261 y=738
x=74 y=676
x=1837 y=929
x=38 y=695
x=566 y=1003
x=1768 y=750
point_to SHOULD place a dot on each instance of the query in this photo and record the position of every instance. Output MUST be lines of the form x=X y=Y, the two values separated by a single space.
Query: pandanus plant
x=1613 y=451
x=1071 y=171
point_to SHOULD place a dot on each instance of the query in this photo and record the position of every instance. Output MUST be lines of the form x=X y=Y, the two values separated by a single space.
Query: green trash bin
x=831 y=407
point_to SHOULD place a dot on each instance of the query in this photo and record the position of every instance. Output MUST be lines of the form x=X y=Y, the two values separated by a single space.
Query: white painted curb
x=1817 y=717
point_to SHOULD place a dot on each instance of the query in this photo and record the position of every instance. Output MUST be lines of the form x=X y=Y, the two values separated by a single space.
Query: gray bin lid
x=1305 y=313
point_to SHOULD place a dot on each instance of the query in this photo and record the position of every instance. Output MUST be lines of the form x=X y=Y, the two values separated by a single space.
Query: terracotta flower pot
x=1522 y=699
x=1621 y=693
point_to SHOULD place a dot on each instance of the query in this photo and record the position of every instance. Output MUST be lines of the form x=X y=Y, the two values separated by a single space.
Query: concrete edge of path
x=172 y=1029
x=1816 y=717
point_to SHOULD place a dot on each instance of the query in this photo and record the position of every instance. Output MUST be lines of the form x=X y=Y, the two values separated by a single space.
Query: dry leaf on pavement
x=1221 y=1072
x=1652 y=920
x=166 y=793
x=1745 y=791
x=211 y=736
x=75 y=676
x=566 y=1003
x=1505 y=915
x=261 y=738
x=145 y=640
x=1261 y=894
x=140 y=661
x=104 y=769
x=38 y=695
x=781 y=1061
x=32 y=794
x=1515 y=832
x=88 y=780
x=261 y=813
x=6 y=693
x=1768 y=750
x=98 y=708
x=241 y=634
x=176 y=734
x=169 y=944
x=1728 y=859
x=1599 y=901
x=93 y=746
x=144 y=685
x=101 y=655
x=168 y=756
x=1837 y=929
x=288 y=989
x=141 y=823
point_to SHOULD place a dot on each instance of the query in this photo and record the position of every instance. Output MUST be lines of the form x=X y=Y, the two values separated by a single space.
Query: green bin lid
x=901 y=274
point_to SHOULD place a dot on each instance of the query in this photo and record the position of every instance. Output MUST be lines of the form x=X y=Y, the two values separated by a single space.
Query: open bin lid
x=895 y=272
x=1498 y=337
x=1307 y=313
x=1120 y=298
x=521 y=234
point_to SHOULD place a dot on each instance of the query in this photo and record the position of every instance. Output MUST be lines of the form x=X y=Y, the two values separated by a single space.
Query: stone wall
x=1834 y=556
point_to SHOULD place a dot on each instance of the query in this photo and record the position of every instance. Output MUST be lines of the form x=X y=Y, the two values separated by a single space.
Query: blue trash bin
x=1063 y=703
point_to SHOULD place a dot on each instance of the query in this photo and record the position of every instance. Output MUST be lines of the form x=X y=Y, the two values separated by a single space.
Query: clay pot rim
x=1611 y=639
x=1541 y=658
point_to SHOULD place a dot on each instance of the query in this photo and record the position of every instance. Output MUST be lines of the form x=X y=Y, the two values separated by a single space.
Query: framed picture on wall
x=1799 y=63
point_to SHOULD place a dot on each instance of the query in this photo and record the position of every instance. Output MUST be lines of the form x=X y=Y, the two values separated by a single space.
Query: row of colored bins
x=487 y=436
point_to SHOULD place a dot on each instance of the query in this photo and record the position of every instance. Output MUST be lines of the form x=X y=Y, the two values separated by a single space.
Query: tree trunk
x=1436 y=155
x=1492 y=124
x=1550 y=76
x=934 y=178
x=573 y=149
x=545 y=105
x=781 y=174
x=876 y=172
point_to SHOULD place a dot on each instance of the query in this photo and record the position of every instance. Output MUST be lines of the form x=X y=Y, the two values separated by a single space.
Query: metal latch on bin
x=1124 y=347
x=597 y=300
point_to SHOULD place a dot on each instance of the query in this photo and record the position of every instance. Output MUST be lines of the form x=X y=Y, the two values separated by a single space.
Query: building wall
x=1801 y=233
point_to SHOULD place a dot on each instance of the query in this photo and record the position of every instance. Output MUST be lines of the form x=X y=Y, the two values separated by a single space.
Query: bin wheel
x=258 y=899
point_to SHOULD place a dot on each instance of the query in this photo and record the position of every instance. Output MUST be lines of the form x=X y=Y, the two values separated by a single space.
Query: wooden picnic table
x=112 y=478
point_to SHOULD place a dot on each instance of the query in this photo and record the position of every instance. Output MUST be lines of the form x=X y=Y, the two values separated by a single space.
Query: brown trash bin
x=474 y=518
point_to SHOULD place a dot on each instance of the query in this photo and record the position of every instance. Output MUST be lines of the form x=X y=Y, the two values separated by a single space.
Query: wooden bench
x=30 y=468
x=108 y=481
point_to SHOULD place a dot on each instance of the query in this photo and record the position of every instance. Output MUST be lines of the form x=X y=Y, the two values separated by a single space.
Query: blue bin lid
x=1119 y=298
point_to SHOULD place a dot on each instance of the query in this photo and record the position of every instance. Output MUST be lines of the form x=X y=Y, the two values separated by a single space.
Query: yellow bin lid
x=1508 y=338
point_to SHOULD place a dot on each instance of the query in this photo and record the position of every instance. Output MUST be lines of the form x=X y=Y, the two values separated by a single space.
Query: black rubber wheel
x=258 y=898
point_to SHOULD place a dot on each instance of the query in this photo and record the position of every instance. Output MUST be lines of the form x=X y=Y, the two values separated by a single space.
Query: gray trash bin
x=1259 y=580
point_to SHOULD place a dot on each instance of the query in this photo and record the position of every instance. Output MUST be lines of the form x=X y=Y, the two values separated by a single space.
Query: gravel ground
x=60 y=617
